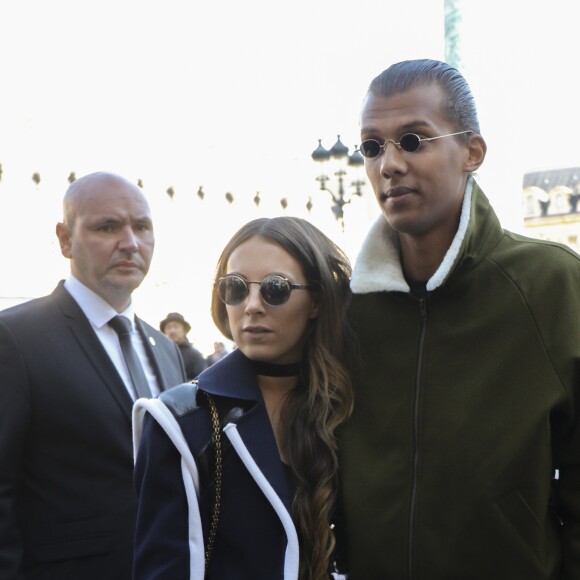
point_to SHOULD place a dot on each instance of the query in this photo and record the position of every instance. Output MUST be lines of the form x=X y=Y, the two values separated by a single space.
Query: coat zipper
x=423 y=311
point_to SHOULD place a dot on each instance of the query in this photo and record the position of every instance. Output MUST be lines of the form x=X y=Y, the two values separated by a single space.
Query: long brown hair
x=323 y=400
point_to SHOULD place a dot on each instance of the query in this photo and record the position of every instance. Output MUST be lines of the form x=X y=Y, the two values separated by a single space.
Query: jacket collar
x=378 y=266
x=232 y=376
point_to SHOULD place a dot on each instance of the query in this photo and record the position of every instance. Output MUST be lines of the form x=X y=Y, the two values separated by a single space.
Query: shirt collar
x=97 y=310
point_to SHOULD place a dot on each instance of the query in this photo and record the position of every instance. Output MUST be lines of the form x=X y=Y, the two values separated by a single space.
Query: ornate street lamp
x=339 y=152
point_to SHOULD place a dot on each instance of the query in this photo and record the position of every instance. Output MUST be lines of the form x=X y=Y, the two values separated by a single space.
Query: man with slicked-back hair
x=462 y=460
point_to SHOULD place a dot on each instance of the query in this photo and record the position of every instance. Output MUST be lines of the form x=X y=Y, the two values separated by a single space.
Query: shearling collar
x=378 y=265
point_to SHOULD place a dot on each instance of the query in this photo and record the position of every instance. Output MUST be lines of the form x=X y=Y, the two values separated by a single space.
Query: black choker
x=267 y=369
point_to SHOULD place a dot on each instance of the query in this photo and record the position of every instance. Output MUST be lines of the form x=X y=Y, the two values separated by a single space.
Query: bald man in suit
x=67 y=504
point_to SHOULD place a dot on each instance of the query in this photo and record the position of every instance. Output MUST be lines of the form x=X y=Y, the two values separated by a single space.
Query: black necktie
x=122 y=326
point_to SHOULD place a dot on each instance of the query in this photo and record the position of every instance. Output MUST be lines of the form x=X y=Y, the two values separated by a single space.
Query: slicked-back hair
x=459 y=109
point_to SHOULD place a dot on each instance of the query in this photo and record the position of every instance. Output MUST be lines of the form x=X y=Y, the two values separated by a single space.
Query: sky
x=234 y=96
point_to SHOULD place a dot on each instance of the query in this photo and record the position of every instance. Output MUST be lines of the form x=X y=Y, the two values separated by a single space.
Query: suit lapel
x=88 y=341
x=157 y=356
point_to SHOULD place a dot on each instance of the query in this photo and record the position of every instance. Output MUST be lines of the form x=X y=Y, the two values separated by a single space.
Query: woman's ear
x=314 y=308
x=476 y=149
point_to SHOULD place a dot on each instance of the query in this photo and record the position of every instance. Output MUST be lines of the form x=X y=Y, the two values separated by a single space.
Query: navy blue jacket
x=256 y=537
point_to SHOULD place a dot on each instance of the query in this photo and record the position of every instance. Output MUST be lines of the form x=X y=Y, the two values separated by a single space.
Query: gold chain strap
x=215 y=421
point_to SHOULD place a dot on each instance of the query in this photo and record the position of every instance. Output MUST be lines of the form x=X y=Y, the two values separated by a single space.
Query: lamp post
x=339 y=153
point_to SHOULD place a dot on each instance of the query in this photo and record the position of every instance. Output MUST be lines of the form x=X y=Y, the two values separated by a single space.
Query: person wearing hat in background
x=176 y=328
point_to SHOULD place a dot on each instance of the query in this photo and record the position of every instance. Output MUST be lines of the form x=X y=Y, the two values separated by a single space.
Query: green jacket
x=467 y=403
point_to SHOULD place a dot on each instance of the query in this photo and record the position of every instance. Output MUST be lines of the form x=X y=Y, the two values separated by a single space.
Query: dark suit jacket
x=67 y=503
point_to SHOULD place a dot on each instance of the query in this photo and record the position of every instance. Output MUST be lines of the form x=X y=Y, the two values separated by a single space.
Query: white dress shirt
x=99 y=312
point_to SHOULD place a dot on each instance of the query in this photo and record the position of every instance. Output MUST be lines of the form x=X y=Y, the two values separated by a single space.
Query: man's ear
x=64 y=239
x=476 y=153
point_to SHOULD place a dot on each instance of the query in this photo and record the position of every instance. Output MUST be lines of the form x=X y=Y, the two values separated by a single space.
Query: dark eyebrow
x=368 y=131
x=106 y=221
x=113 y=221
x=144 y=220
x=417 y=125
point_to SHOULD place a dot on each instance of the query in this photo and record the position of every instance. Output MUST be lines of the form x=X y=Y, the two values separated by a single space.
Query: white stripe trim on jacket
x=291 y=558
x=189 y=472
x=190 y=475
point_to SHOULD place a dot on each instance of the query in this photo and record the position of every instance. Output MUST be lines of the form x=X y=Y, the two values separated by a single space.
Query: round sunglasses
x=274 y=289
x=410 y=142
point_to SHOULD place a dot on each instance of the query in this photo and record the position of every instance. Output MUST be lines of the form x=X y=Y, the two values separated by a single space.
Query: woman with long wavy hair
x=238 y=474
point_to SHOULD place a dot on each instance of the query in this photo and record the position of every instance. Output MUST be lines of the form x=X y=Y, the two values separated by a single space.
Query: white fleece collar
x=378 y=265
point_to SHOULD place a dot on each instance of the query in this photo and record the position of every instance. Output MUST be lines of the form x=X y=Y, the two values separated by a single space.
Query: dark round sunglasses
x=409 y=142
x=274 y=289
